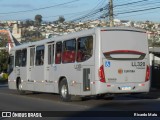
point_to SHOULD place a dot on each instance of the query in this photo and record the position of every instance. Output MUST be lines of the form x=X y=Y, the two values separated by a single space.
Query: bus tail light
x=147 y=73
x=101 y=74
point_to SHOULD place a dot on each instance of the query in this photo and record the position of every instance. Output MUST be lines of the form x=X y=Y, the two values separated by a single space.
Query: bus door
x=30 y=68
x=18 y=56
x=38 y=70
x=85 y=64
x=49 y=71
x=20 y=63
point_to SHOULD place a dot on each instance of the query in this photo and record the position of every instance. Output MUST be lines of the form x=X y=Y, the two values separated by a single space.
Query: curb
x=150 y=95
x=3 y=85
x=3 y=81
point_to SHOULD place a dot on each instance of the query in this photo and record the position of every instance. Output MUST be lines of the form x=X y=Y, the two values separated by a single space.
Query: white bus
x=100 y=61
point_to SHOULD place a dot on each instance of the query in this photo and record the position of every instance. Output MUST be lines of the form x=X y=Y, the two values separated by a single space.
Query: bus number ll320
x=138 y=64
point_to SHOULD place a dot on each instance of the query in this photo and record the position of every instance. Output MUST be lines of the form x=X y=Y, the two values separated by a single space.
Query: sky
x=73 y=9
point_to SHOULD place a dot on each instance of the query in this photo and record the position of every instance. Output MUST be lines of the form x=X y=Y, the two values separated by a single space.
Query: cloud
x=17 y=5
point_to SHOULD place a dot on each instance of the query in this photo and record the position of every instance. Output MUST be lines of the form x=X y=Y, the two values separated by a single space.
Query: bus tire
x=109 y=98
x=100 y=96
x=19 y=87
x=64 y=92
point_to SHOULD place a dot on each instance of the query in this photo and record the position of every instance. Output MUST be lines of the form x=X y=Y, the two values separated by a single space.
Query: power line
x=138 y=6
x=130 y=3
x=137 y=14
x=90 y=14
x=66 y=14
x=88 y=11
x=41 y=8
x=138 y=10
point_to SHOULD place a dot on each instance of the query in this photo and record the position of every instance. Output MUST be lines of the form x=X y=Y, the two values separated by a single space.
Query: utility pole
x=111 y=13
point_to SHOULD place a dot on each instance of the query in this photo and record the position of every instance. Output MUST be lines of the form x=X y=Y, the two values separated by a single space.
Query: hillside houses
x=22 y=32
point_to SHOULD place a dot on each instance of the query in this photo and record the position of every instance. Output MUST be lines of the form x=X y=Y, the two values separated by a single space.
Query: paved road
x=10 y=100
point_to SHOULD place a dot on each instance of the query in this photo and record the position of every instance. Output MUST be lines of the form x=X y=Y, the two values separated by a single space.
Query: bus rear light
x=147 y=73
x=101 y=74
x=108 y=85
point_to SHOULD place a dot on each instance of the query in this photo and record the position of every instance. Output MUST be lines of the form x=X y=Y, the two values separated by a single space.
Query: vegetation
x=29 y=23
x=3 y=60
x=3 y=54
x=61 y=19
x=3 y=40
x=38 y=20
x=32 y=35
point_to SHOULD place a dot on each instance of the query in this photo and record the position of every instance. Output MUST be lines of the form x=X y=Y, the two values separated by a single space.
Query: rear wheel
x=19 y=87
x=100 y=96
x=64 y=92
x=105 y=96
x=108 y=98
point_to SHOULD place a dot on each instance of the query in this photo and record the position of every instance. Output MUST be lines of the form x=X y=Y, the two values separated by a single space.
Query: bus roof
x=76 y=35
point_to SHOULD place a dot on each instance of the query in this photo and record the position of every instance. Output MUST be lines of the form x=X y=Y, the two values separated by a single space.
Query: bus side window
x=24 y=57
x=69 y=48
x=50 y=54
x=18 y=57
x=58 y=52
x=11 y=64
x=32 y=56
x=40 y=55
x=85 y=48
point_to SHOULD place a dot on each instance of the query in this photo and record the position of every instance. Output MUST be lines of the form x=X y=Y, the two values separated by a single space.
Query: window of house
x=69 y=51
x=85 y=48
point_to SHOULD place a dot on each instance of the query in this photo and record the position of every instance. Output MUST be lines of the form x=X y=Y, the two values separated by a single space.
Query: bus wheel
x=109 y=98
x=100 y=96
x=19 y=87
x=63 y=90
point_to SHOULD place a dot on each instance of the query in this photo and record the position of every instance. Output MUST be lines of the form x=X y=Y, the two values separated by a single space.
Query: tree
x=61 y=19
x=55 y=22
x=29 y=23
x=38 y=20
x=132 y=24
x=3 y=40
x=3 y=60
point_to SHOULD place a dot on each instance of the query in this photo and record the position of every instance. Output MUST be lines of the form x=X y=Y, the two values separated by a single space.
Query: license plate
x=126 y=88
